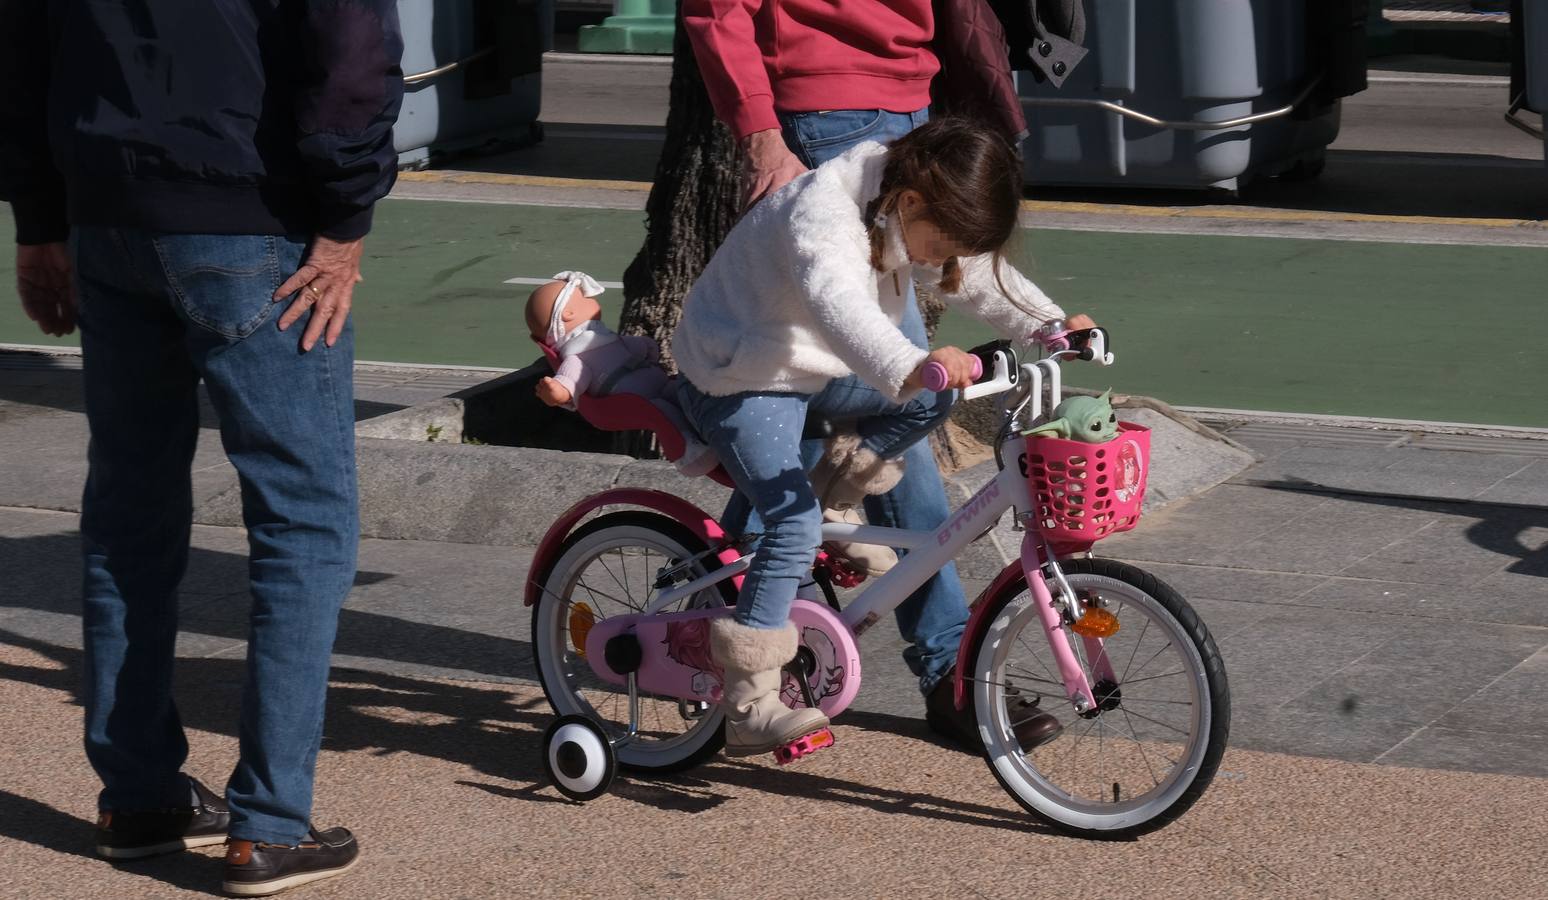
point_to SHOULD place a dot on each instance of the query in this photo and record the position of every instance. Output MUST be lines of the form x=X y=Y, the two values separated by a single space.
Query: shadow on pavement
x=485 y=728
x=477 y=725
x=33 y=566
x=31 y=822
x=1499 y=527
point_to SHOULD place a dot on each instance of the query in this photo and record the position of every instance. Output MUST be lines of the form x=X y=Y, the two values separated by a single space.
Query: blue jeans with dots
x=758 y=439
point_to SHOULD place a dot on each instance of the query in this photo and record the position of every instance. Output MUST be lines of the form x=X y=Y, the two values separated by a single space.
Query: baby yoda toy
x=1089 y=419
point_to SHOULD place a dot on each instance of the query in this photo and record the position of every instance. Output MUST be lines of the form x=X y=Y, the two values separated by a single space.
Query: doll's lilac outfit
x=596 y=361
x=609 y=363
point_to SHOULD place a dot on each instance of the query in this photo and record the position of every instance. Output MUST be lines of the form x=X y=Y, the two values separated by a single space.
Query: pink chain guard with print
x=676 y=655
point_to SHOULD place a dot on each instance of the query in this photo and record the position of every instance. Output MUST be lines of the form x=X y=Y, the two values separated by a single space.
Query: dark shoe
x=257 y=870
x=1032 y=727
x=135 y=833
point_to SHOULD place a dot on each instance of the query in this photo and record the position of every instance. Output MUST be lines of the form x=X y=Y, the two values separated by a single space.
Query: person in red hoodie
x=800 y=82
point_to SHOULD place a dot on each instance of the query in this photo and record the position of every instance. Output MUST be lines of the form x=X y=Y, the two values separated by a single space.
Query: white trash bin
x=472 y=74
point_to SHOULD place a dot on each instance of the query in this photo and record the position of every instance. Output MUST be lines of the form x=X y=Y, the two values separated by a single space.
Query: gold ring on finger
x=314 y=290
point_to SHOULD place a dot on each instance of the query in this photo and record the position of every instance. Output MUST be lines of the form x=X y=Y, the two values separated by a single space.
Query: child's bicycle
x=622 y=607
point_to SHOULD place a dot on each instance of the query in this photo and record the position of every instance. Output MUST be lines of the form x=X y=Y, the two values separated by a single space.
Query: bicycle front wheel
x=1149 y=749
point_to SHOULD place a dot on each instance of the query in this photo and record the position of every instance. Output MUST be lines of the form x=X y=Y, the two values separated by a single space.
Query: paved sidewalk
x=440 y=780
x=1380 y=606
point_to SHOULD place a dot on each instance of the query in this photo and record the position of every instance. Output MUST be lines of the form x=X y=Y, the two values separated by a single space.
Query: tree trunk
x=694 y=200
x=692 y=206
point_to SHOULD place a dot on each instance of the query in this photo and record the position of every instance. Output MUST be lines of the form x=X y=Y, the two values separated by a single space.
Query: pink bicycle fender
x=697 y=520
x=982 y=613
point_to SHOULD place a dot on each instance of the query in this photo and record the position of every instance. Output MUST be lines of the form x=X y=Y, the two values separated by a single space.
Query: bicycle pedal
x=805 y=746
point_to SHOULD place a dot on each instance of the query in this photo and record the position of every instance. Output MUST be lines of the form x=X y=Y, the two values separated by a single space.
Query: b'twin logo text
x=973 y=508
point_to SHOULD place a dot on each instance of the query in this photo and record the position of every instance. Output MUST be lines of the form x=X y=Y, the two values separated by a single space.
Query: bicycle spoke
x=1076 y=745
x=1101 y=750
x=650 y=579
x=1134 y=736
x=1159 y=722
x=1005 y=685
x=1153 y=657
x=1028 y=675
x=609 y=569
x=594 y=592
x=1039 y=659
x=1130 y=664
x=1153 y=677
x=1128 y=700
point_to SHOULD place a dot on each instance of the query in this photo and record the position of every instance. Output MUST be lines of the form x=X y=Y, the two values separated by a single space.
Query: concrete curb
x=417 y=489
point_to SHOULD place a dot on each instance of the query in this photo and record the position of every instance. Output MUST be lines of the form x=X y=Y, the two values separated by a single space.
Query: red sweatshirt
x=758 y=56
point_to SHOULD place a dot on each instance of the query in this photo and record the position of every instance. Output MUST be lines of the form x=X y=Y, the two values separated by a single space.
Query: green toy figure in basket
x=1089 y=419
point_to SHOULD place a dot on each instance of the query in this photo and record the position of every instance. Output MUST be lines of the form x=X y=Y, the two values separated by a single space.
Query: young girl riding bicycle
x=809 y=287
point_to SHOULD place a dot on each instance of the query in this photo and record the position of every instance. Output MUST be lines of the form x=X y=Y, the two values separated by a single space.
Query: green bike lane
x=1410 y=331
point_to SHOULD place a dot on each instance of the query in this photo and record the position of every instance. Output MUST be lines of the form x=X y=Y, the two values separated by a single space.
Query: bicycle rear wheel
x=609 y=567
x=1152 y=745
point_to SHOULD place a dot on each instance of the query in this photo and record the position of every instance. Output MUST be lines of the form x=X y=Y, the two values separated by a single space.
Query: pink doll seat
x=631 y=412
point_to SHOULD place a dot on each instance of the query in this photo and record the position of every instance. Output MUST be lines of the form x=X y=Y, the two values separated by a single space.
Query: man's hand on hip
x=768 y=165
x=325 y=286
x=46 y=288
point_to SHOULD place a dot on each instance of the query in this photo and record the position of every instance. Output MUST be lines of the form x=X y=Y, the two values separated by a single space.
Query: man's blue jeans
x=932 y=619
x=157 y=314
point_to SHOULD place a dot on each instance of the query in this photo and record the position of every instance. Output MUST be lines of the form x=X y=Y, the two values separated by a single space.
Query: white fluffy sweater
x=790 y=301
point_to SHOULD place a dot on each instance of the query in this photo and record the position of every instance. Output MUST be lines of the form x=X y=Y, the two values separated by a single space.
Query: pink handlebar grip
x=935 y=376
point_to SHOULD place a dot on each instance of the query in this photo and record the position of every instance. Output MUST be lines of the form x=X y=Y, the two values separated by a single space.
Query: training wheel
x=578 y=758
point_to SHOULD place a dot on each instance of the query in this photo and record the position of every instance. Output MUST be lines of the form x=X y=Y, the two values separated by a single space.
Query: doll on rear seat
x=594 y=360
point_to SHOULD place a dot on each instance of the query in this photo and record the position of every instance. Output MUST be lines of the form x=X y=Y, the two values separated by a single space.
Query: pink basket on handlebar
x=1084 y=492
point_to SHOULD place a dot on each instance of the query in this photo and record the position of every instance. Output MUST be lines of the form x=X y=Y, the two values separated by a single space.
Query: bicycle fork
x=1055 y=615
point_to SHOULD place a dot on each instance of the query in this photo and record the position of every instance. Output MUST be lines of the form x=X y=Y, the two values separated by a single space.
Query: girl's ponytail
x=970 y=179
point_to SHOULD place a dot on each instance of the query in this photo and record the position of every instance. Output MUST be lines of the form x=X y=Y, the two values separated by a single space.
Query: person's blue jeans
x=757 y=437
x=933 y=618
x=158 y=313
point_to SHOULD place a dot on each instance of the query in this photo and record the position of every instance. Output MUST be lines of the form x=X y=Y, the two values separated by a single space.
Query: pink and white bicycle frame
x=680 y=670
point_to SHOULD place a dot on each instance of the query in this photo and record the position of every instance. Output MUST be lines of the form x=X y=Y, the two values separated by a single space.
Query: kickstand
x=634 y=713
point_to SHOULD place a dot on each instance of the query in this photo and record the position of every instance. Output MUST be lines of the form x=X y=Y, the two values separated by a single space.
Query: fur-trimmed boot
x=842 y=479
x=753 y=659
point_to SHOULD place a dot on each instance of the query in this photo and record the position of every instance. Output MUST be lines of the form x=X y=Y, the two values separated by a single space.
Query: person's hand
x=553 y=393
x=325 y=285
x=768 y=165
x=46 y=289
x=1079 y=322
x=958 y=363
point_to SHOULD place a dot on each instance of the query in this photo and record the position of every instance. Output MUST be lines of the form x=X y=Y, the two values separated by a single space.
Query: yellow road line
x=522 y=180
x=1032 y=206
x=1262 y=215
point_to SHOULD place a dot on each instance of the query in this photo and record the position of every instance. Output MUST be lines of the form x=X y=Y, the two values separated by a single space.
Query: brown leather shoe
x=132 y=834
x=1032 y=726
x=258 y=870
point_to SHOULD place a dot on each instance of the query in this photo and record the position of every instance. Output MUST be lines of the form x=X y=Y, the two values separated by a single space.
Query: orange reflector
x=1096 y=623
x=581 y=620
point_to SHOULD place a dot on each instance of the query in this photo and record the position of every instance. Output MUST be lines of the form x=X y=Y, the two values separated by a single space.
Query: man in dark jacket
x=189 y=182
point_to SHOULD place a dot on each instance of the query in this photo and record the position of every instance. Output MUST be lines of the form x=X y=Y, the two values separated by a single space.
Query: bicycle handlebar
x=1005 y=369
x=936 y=378
x=998 y=361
